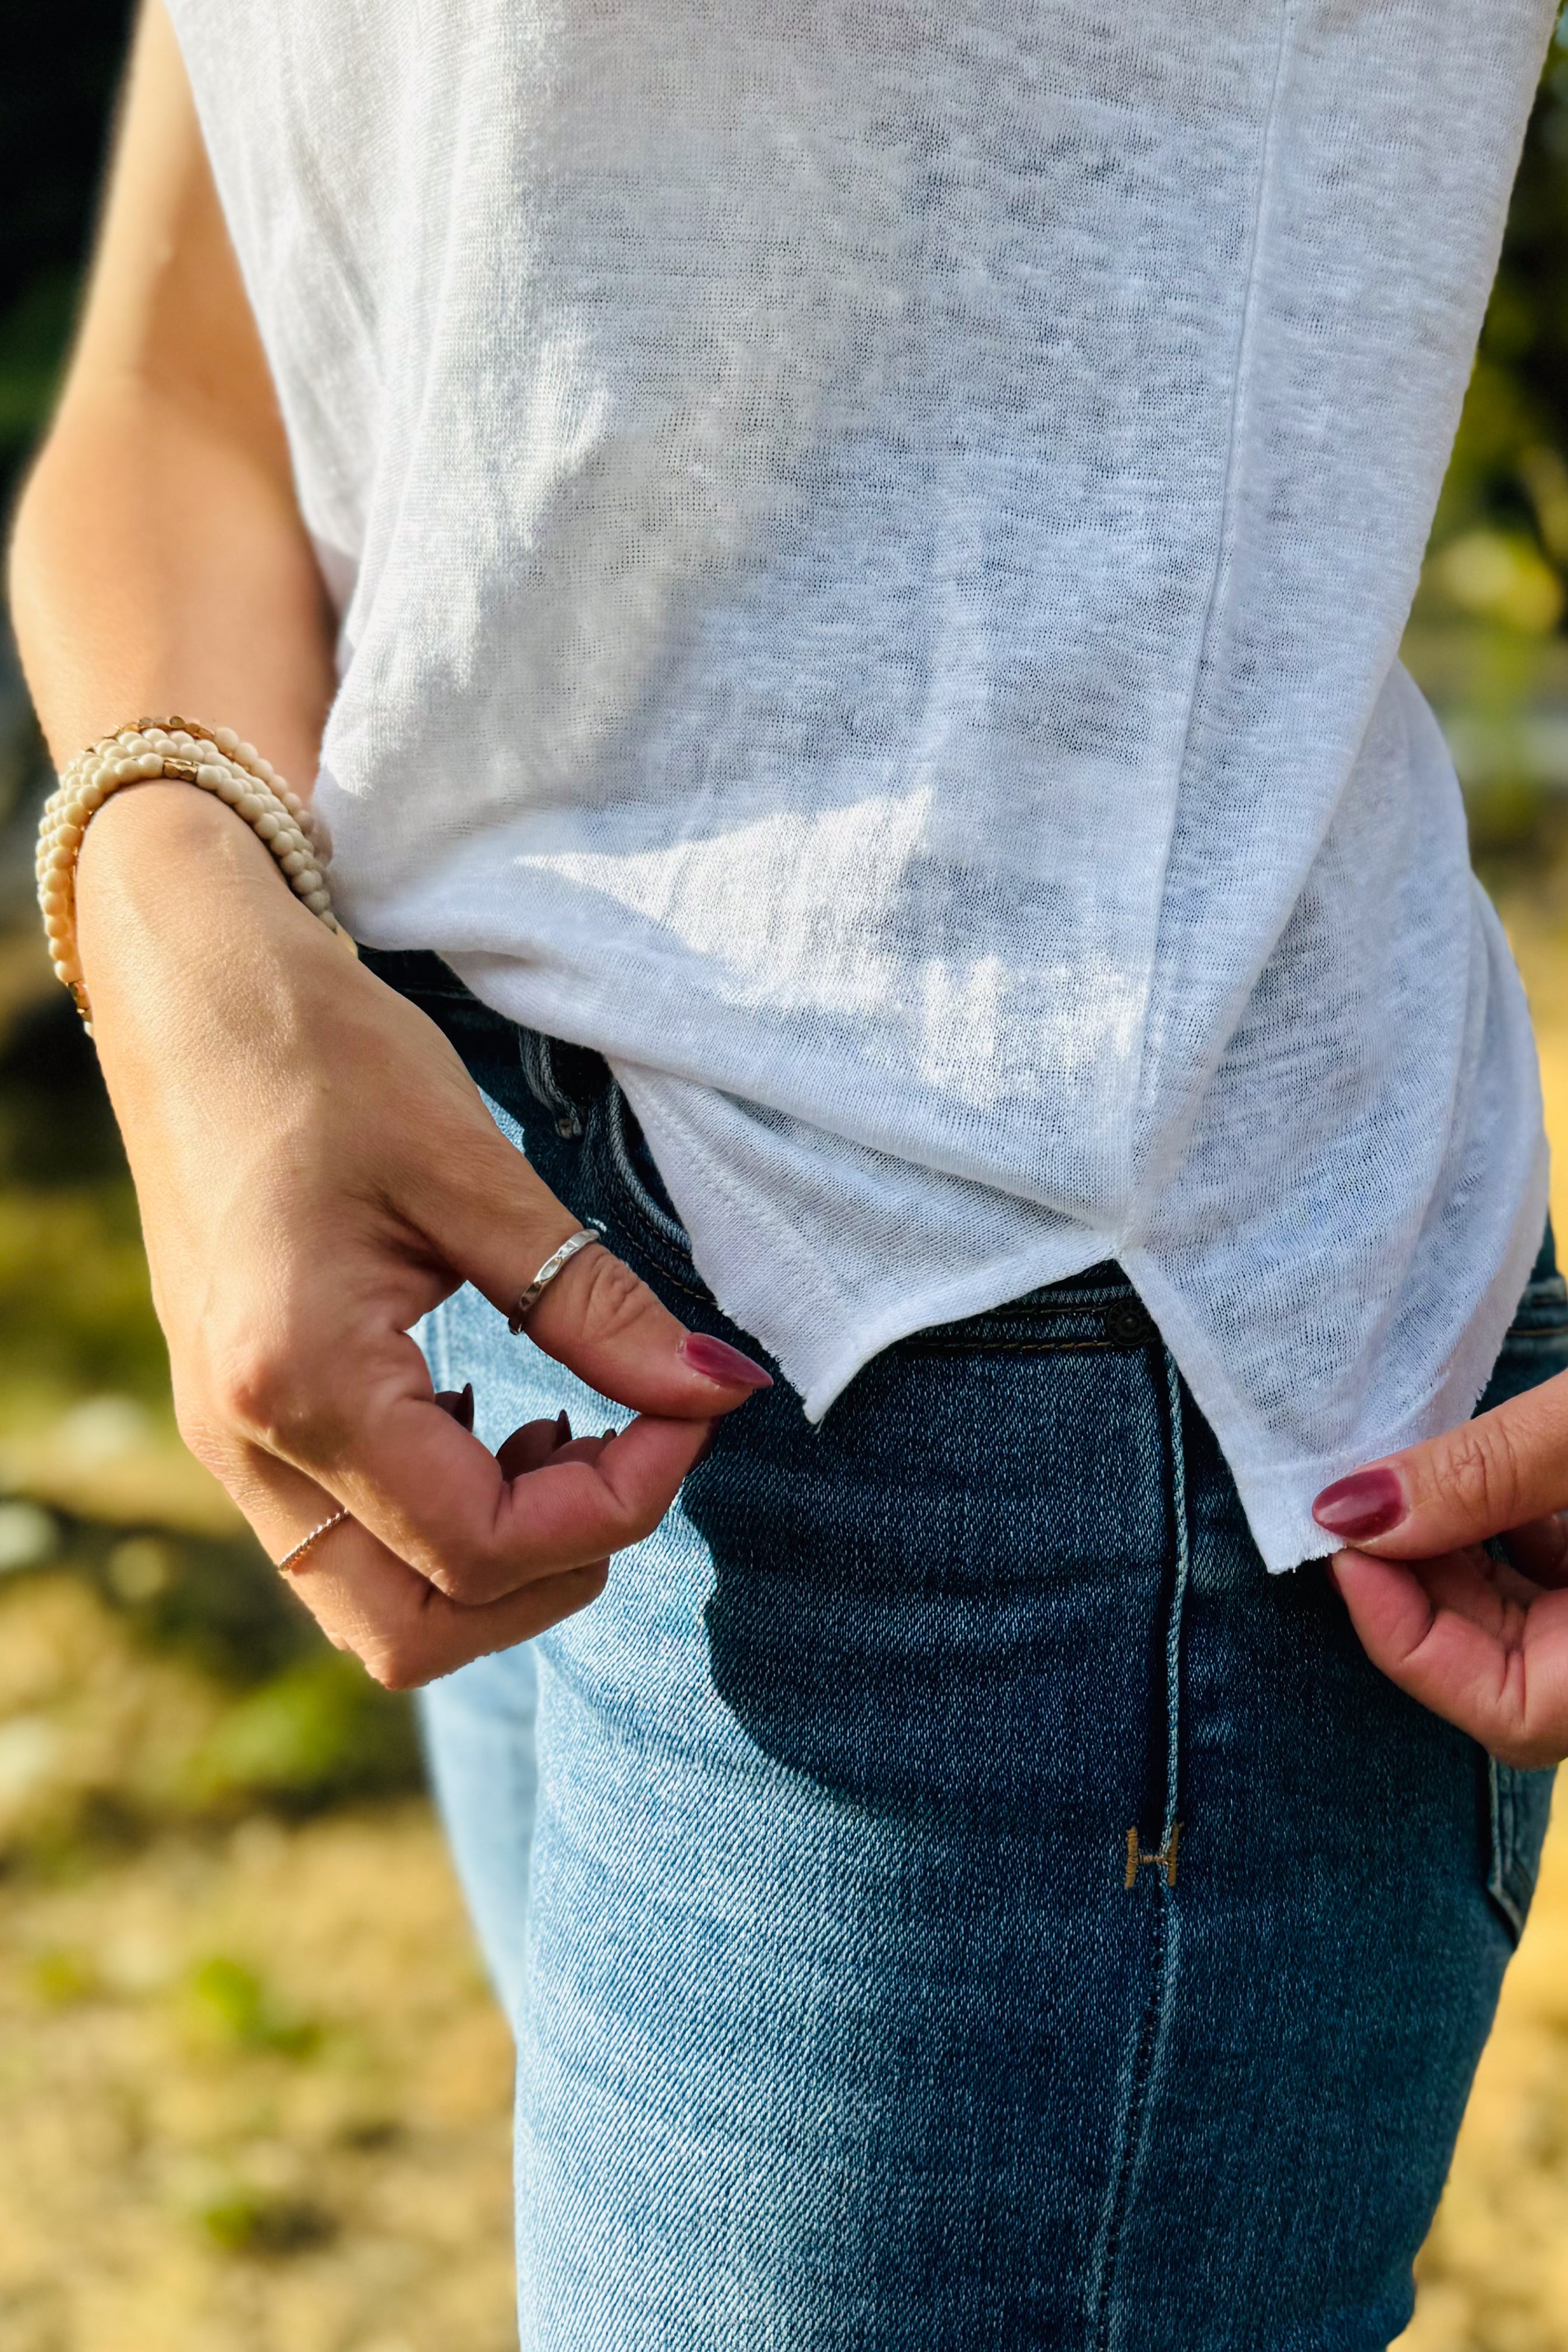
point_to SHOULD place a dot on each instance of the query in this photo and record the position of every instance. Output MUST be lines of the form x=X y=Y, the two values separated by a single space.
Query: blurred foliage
x=253 y=2098
x=234 y=2001
x=120 y=1721
x=1508 y=476
x=33 y=334
x=1485 y=641
x=74 y=1299
x=55 y=101
x=319 y=1730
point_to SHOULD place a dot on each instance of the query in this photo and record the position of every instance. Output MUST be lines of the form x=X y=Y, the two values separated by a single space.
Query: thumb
x=1500 y=1471
x=500 y=1223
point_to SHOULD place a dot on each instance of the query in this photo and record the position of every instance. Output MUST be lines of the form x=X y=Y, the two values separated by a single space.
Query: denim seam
x=1131 y=2137
x=1178 y=1604
x=1154 y=2023
x=1504 y=1874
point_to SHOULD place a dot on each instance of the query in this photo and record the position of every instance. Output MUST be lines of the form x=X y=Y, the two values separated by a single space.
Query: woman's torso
x=872 y=544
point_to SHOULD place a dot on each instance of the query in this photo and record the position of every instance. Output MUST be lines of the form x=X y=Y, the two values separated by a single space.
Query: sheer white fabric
x=872 y=542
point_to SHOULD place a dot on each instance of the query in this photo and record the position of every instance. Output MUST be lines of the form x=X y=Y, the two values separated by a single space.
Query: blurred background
x=254 y=2096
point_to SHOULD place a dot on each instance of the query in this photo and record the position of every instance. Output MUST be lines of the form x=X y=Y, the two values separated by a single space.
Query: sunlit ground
x=254 y=2096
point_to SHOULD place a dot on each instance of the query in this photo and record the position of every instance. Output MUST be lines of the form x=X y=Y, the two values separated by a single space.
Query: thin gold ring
x=292 y=1558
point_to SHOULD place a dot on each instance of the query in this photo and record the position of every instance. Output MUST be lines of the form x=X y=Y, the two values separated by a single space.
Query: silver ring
x=314 y=1536
x=547 y=1275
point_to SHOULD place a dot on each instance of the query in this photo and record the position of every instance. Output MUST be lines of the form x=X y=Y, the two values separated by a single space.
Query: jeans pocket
x=1519 y=1806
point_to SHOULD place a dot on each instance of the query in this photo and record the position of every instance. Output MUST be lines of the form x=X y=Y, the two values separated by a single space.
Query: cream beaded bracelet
x=213 y=759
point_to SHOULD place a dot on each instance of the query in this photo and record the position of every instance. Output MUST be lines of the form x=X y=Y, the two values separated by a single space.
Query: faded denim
x=972 y=1905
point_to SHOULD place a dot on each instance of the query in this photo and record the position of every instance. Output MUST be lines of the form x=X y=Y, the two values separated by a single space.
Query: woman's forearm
x=159 y=560
x=154 y=570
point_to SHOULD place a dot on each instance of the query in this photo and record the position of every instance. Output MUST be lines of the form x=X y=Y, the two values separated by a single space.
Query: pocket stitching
x=1510 y=1880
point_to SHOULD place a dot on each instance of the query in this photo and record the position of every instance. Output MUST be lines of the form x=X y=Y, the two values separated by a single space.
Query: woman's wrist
x=157 y=851
x=172 y=895
x=215 y=763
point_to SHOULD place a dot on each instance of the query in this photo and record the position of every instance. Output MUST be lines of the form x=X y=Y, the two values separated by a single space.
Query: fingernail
x=1368 y=1503
x=563 y=1427
x=459 y=1403
x=715 y=1360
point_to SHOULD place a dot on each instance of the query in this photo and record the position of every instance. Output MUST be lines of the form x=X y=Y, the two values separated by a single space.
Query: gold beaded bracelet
x=215 y=760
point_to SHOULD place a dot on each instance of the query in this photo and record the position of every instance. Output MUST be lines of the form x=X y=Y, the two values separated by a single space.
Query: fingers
x=354 y=1411
x=538 y=1441
x=1476 y=1644
x=438 y=1499
x=1482 y=1642
x=496 y=1224
x=598 y=1317
x=1541 y=1550
x=368 y=1600
x=1501 y=1470
x=459 y=1403
x=329 y=1381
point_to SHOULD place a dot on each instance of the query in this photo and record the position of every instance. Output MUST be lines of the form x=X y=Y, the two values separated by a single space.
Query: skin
x=1482 y=1640
x=314 y=1166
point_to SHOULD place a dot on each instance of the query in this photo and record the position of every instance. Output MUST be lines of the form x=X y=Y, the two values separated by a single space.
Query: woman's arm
x=159 y=560
x=314 y=1166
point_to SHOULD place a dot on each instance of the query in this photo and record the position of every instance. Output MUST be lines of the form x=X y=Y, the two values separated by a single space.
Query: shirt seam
x=1224 y=543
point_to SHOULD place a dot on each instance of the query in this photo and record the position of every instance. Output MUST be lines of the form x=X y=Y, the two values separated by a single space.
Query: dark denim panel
x=1519 y=1803
x=1520 y=1808
x=848 y=2026
x=1338 y=1970
x=1536 y=1347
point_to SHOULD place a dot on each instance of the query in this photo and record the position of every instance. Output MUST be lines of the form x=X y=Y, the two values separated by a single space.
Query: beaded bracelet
x=216 y=760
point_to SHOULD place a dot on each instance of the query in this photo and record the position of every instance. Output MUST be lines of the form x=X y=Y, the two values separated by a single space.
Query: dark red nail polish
x=715 y=1360
x=563 y=1427
x=1368 y=1503
x=459 y=1403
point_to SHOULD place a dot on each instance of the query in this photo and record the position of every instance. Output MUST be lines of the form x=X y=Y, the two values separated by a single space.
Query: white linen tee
x=871 y=542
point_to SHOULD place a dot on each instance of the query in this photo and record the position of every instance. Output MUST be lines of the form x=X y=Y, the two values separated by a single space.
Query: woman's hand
x=1482 y=1640
x=315 y=1167
x=315 y=1170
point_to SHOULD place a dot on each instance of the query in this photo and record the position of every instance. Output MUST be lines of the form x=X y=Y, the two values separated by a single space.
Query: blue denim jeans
x=946 y=1892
